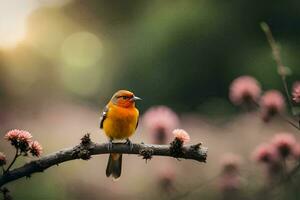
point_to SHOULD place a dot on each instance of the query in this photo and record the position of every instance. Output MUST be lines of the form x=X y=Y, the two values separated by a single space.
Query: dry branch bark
x=87 y=148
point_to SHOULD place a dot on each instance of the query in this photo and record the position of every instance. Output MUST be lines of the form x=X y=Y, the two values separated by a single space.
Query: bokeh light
x=13 y=18
x=80 y=53
x=82 y=49
x=13 y=14
x=82 y=81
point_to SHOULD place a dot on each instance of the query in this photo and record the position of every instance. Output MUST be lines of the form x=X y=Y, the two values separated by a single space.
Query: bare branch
x=88 y=148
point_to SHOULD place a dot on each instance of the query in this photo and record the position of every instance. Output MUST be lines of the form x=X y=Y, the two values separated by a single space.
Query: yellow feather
x=120 y=122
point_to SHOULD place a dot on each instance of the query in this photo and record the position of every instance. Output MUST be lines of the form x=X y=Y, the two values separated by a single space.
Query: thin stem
x=276 y=55
x=283 y=78
x=285 y=118
x=13 y=161
x=284 y=168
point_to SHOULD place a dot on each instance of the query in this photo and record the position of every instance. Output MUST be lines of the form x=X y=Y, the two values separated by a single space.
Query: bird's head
x=124 y=98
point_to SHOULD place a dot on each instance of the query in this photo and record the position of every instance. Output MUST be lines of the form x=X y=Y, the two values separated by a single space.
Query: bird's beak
x=135 y=98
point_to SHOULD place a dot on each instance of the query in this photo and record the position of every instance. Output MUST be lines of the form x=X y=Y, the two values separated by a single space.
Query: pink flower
x=230 y=176
x=265 y=153
x=35 y=148
x=12 y=135
x=296 y=92
x=284 y=143
x=24 y=136
x=160 y=121
x=2 y=159
x=230 y=162
x=244 y=89
x=272 y=102
x=166 y=177
x=181 y=135
x=16 y=134
x=229 y=182
x=19 y=138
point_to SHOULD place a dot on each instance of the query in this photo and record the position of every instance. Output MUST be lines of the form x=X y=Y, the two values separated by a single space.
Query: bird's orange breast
x=120 y=123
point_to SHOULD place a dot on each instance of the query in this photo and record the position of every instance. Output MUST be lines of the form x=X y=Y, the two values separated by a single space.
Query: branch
x=88 y=148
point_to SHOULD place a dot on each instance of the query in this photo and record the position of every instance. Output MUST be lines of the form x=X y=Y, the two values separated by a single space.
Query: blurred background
x=61 y=61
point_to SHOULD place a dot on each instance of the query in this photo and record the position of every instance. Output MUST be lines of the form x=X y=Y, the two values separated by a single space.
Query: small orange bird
x=119 y=121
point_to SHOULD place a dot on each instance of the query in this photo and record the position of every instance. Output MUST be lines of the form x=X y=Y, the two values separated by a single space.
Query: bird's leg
x=128 y=142
x=110 y=144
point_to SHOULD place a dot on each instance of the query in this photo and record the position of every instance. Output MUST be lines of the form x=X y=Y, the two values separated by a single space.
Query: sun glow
x=13 y=15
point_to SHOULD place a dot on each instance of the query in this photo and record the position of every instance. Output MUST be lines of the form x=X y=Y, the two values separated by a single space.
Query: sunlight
x=13 y=15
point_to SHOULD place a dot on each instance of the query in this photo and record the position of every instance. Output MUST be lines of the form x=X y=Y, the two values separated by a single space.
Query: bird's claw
x=128 y=142
x=109 y=145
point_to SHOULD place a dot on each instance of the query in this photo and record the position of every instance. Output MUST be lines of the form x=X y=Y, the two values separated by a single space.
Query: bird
x=119 y=120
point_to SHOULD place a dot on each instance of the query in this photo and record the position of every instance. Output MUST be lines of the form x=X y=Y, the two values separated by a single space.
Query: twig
x=282 y=71
x=288 y=120
x=12 y=162
x=88 y=148
x=283 y=116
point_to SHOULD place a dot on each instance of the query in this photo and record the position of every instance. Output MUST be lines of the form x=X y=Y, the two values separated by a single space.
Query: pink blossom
x=166 y=177
x=296 y=92
x=2 y=159
x=230 y=178
x=35 y=148
x=229 y=182
x=24 y=136
x=19 y=138
x=160 y=121
x=12 y=135
x=284 y=143
x=244 y=89
x=16 y=134
x=230 y=162
x=181 y=135
x=265 y=153
x=272 y=102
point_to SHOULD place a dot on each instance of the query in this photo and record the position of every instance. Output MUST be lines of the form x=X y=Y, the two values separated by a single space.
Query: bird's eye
x=125 y=97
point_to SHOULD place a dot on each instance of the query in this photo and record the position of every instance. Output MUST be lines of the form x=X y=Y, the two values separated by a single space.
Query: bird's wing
x=103 y=116
x=137 y=123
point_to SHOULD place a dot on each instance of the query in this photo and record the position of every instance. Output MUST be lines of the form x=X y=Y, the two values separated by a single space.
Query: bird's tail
x=114 y=165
